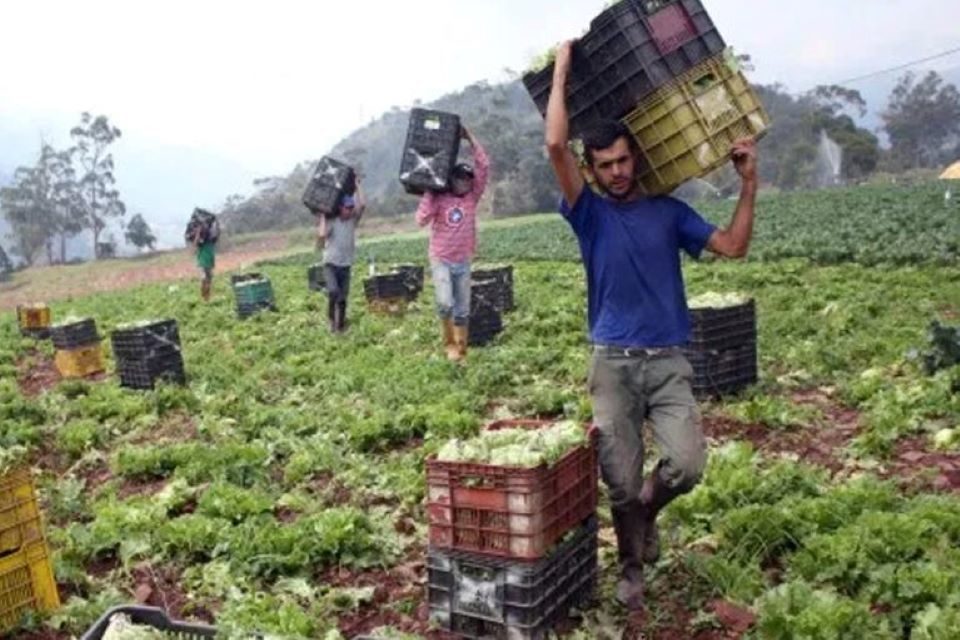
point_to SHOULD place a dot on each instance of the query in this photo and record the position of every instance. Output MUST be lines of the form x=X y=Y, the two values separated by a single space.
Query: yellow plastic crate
x=33 y=316
x=26 y=584
x=79 y=363
x=388 y=306
x=686 y=129
x=19 y=514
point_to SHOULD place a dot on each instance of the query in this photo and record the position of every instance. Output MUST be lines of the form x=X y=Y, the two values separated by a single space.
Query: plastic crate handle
x=650 y=7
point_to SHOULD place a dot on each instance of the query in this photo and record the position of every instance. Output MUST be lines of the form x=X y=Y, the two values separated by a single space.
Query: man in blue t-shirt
x=638 y=319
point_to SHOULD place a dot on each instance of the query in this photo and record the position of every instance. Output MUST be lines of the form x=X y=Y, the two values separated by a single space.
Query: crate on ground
x=34 y=320
x=481 y=598
x=430 y=151
x=153 y=618
x=510 y=512
x=633 y=48
x=26 y=584
x=331 y=180
x=486 y=317
x=70 y=335
x=146 y=372
x=316 y=280
x=718 y=329
x=388 y=306
x=237 y=278
x=720 y=373
x=19 y=512
x=414 y=276
x=503 y=275
x=80 y=362
x=253 y=291
x=145 y=339
x=687 y=129
x=389 y=286
x=253 y=296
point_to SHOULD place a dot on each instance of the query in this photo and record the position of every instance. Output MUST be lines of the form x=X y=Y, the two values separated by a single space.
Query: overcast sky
x=267 y=84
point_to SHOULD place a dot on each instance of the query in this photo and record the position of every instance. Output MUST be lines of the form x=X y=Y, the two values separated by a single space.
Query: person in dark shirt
x=638 y=319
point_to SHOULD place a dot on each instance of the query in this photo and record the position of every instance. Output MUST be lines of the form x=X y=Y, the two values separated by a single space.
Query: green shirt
x=206 y=256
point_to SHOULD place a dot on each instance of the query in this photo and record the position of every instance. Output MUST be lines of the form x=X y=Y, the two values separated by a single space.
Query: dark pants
x=338 y=289
x=626 y=392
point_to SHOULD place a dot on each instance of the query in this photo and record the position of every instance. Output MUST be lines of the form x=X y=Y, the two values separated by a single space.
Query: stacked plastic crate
x=486 y=312
x=78 y=351
x=491 y=296
x=503 y=276
x=723 y=348
x=331 y=180
x=34 y=320
x=253 y=293
x=512 y=549
x=661 y=67
x=26 y=575
x=430 y=151
x=147 y=353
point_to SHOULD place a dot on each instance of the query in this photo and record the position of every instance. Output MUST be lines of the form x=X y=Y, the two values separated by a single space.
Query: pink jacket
x=453 y=219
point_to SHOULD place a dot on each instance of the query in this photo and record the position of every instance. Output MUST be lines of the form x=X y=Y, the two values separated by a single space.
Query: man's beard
x=616 y=196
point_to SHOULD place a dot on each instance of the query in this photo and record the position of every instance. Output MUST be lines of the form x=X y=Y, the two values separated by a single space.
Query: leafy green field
x=286 y=482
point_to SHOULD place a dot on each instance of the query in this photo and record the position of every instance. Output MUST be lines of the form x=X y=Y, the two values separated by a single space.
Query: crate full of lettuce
x=514 y=490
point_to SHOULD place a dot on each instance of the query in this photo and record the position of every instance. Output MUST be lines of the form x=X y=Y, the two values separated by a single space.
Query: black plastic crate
x=631 y=49
x=480 y=597
x=720 y=373
x=316 y=280
x=37 y=333
x=154 y=618
x=330 y=181
x=74 y=334
x=430 y=151
x=388 y=286
x=245 y=310
x=145 y=340
x=413 y=275
x=237 y=278
x=503 y=276
x=146 y=372
x=486 y=319
x=719 y=329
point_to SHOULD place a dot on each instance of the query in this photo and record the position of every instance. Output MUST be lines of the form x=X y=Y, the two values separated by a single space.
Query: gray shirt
x=340 y=248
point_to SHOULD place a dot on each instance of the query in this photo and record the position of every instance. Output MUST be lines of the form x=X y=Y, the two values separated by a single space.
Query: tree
x=139 y=233
x=27 y=208
x=100 y=200
x=922 y=120
x=6 y=267
x=63 y=195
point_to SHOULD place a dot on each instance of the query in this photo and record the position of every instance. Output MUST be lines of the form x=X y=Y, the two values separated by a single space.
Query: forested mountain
x=502 y=116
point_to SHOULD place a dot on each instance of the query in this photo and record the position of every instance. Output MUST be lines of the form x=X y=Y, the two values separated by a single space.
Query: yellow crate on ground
x=80 y=362
x=26 y=584
x=687 y=128
x=388 y=306
x=33 y=316
x=19 y=513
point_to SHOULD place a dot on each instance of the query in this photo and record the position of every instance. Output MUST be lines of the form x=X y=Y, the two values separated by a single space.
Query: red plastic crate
x=510 y=512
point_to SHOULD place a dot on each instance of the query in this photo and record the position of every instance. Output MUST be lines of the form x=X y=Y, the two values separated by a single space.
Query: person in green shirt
x=206 y=259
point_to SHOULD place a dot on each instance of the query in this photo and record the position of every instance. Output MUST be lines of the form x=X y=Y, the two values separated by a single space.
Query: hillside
x=501 y=115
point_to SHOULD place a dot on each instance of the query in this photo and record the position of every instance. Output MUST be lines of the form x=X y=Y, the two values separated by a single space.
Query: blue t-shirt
x=631 y=253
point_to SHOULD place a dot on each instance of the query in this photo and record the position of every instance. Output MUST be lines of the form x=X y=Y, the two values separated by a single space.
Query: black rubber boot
x=342 y=316
x=628 y=527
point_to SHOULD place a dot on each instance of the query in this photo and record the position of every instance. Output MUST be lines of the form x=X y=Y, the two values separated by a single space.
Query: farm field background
x=282 y=490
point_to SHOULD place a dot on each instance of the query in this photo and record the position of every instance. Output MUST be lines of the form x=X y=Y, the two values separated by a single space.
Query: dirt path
x=50 y=284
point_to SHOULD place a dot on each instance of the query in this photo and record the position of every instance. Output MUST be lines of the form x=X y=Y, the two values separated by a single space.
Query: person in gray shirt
x=337 y=237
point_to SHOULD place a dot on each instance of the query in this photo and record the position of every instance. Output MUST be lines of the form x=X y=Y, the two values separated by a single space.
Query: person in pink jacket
x=453 y=241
